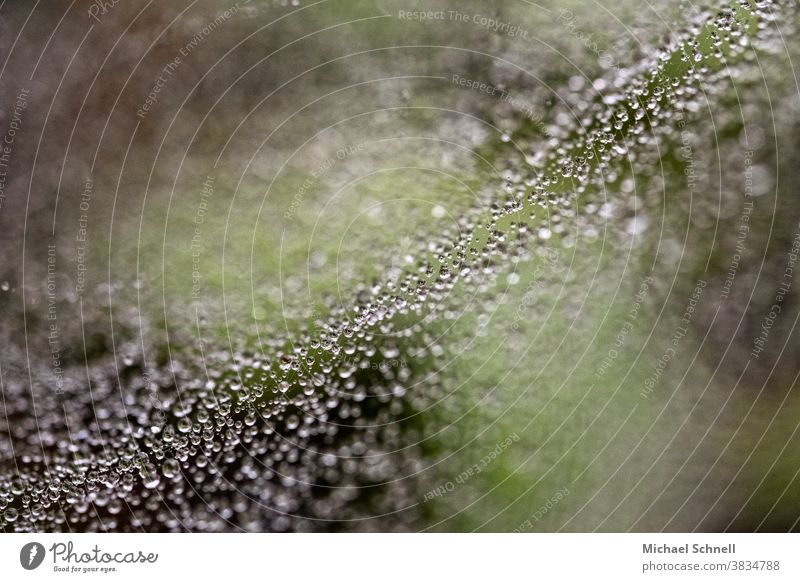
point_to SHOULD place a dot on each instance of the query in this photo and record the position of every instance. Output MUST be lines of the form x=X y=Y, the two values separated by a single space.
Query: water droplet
x=170 y=468
x=150 y=476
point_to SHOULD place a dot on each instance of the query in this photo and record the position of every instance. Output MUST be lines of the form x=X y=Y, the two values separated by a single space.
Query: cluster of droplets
x=287 y=438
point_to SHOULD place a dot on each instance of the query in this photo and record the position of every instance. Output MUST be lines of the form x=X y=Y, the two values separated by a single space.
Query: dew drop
x=170 y=468
x=150 y=476
x=10 y=515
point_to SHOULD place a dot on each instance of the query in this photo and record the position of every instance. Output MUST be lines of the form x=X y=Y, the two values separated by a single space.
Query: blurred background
x=194 y=193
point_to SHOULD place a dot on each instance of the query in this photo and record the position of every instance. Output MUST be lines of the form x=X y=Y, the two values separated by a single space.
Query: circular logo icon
x=31 y=555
